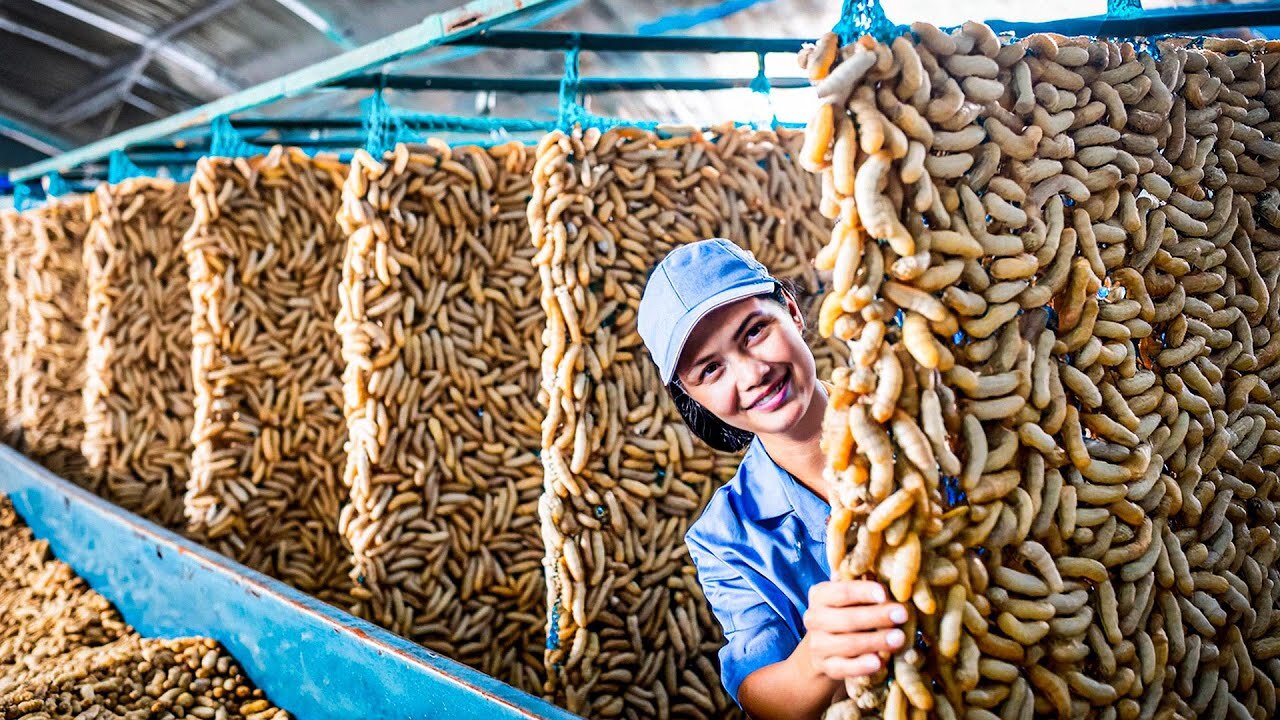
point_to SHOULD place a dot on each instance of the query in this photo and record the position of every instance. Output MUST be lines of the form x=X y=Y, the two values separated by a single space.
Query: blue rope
x=1124 y=8
x=760 y=85
x=225 y=140
x=863 y=17
x=121 y=168
x=571 y=112
x=379 y=134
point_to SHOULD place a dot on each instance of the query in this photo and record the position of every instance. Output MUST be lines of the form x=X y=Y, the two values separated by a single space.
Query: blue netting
x=571 y=112
x=55 y=185
x=863 y=17
x=225 y=140
x=121 y=168
x=25 y=197
x=452 y=123
x=1124 y=8
x=383 y=127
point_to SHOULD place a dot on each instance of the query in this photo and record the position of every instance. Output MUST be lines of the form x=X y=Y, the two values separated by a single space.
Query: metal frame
x=552 y=85
x=312 y=659
x=431 y=32
x=469 y=25
x=32 y=137
x=1153 y=23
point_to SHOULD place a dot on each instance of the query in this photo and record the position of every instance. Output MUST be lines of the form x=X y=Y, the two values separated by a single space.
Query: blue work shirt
x=759 y=546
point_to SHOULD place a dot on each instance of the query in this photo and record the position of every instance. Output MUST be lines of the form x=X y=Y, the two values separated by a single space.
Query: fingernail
x=870 y=663
x=898 y=614
x=895 y=638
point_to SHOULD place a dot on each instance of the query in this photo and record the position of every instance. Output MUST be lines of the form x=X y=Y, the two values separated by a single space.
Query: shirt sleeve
x=756 y=635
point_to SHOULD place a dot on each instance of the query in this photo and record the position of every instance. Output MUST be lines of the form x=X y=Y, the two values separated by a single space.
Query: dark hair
x=709 y=428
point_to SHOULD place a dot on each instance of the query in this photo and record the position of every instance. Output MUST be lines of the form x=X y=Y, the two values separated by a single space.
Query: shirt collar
x=775 y=492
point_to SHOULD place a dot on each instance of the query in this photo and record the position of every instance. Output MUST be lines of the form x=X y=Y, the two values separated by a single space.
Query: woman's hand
x=848 y=625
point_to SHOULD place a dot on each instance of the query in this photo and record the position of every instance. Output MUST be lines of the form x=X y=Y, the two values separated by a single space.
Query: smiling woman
x=728 y=341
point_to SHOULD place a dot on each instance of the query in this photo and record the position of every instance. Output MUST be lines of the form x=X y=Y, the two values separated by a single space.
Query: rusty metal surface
x=316 y=661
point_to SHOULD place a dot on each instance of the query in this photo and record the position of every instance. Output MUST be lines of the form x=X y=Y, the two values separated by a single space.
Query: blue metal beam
x=312 y=659
x=620 y=42
x=589 y=85
x=32 y=137
x=1153 y=23
x=433 y=31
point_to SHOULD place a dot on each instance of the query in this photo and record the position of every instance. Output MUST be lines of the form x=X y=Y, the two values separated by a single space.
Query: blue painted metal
x=309 y=658
x=431 y=32
x=693 y=18
x=586 y=85
x=620 y=42
x=1155 y=22
x=32 y=137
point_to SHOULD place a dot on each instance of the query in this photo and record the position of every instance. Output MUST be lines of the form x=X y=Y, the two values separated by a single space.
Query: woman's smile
x=775 y=395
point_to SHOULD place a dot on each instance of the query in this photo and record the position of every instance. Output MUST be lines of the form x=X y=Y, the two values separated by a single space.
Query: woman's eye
x=709 y=369
x=755 y=330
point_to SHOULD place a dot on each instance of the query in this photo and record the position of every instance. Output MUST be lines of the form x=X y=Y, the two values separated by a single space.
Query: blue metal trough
x=315 y=661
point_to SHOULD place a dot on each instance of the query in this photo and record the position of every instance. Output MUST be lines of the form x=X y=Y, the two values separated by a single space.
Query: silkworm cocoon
x=844 y=156
x=900 y=566
x=939 y=276
x=913 y=76
x=909 y=298
x=817 y=62
x=994 y=486
x=997 y=408
x=949 y=627
x=982 y=90
x=912 y=167
x=1014 y=268
x=817 y=138
x=952 y=242
x=1054 y=687
x=888 y=385
x=948 y=167
x=920 y=341
x=837 y=86
x=1014 y=145
x=960 y=140
x=907 y=675
x=914 y=445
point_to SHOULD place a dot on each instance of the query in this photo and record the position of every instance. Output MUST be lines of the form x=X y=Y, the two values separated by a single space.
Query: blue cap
x=689 y=283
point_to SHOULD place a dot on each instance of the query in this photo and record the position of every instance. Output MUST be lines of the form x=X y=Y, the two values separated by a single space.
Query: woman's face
x=748 y=364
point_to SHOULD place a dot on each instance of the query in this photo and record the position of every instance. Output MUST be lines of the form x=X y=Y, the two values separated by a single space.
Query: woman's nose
x=752 y=373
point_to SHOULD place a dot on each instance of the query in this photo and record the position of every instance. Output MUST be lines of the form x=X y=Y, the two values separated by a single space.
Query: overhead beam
x=37 y=140
x=551 y=40
x=589 y=85
x=309 y=15
x=431 y=32
x=57 y=43
x=210 y=75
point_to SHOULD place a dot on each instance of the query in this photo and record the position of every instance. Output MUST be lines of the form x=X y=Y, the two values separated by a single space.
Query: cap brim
x=683 y=328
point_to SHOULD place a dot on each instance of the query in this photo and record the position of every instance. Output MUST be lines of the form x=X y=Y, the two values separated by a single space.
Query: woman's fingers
x=855 y=618
x=843 y=593
x=852 y=645
x=840 y=668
